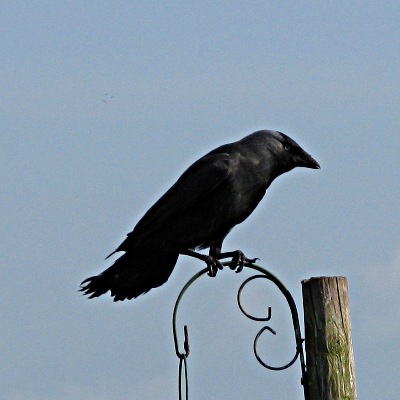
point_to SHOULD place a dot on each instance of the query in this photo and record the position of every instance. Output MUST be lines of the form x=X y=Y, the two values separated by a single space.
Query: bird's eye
x=287 y=146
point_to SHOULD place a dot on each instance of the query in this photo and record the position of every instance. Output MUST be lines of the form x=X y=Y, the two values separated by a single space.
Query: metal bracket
x=264 y=274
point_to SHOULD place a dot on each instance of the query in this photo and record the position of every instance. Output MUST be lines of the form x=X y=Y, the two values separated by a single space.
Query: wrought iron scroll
x=264 y=274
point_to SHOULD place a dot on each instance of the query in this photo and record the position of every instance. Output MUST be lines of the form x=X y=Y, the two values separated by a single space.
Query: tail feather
x=131 y=275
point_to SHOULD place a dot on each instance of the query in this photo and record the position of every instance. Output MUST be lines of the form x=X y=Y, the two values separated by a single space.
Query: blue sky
x=104 y=104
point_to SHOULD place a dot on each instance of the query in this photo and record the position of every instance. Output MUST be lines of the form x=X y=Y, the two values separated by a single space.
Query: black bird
x=217 y=192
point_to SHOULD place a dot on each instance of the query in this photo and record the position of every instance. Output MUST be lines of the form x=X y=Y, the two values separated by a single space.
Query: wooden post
x=328 y=344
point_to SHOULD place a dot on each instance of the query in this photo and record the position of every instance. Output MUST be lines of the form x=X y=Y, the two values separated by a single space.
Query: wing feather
x=193 y=190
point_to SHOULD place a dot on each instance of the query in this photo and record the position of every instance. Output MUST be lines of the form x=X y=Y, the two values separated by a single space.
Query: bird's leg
x=213 y=265
x=238 y=258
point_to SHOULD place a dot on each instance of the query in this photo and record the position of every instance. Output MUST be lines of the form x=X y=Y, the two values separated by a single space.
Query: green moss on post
x=329 y=349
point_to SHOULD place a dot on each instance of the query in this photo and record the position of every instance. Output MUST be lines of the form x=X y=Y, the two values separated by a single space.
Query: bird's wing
x=195 y=186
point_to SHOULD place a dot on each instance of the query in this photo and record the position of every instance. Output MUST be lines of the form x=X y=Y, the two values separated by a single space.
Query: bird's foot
x=239 y=259
x=213 y=265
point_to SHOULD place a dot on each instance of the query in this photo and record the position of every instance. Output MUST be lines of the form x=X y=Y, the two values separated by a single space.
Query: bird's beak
x=305 y=160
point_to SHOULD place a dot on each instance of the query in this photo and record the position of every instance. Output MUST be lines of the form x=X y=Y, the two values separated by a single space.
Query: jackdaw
x=217 y=192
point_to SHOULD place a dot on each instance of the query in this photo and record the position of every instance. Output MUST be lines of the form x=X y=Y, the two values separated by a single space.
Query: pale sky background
x=104 y=104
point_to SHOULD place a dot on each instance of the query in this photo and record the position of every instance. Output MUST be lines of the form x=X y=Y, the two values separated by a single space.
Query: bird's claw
x=238 y=261
x=213 y=265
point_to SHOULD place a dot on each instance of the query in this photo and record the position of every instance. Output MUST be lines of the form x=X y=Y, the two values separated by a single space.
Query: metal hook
x=267 y=318
x=295 y=319
x=296 y=325
x=263 y=363
x=185 y=329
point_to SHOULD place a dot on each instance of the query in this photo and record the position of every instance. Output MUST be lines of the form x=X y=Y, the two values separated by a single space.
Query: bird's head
x=295 y=154
x=287 y=152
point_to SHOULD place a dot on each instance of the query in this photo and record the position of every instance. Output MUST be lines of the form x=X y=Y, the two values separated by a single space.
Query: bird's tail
x=133 y=274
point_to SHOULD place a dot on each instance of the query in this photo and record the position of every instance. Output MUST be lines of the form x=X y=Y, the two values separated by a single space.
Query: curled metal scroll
x=264 y=274
x=262 y=330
